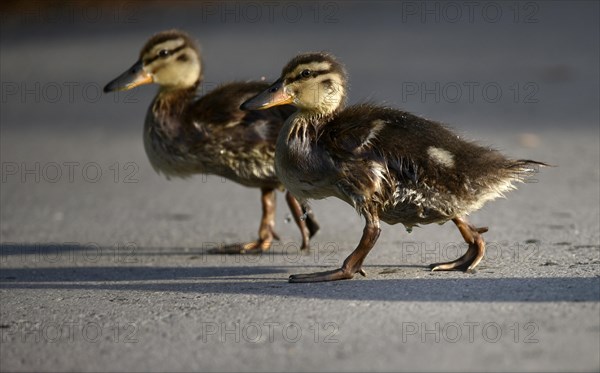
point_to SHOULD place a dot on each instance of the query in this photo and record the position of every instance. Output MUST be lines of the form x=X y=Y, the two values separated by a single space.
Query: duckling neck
x=172 y=102
x=305 y=126
x=165 y=140
x=297 y=144
x=299 y=154
x=167 y=110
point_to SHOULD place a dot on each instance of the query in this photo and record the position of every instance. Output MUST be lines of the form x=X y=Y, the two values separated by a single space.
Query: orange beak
x=133 y=77
x=273 y=96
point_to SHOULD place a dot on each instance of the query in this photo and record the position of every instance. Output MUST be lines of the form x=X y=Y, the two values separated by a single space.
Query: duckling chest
x=304 y=168
x=169 y=146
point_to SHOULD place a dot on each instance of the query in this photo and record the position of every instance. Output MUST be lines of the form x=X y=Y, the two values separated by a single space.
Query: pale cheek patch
x=441 y=156
x=180 y=73
x=329 y=90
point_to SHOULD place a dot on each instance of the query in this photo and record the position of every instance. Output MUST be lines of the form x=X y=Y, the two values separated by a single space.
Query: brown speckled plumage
x=392 y=169
x=185 y=135
x=389 y=164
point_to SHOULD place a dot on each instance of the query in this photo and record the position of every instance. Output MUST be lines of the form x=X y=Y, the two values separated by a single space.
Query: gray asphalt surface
x=105 y=265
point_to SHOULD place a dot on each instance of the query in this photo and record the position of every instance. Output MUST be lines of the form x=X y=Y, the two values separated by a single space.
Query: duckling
x=388 y=164
x=185 y=135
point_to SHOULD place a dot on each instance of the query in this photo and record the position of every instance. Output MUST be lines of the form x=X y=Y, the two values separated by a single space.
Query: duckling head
x=170 y=59
x=314 y=82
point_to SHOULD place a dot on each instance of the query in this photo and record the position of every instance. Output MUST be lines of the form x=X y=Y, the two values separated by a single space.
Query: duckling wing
x=219 y=112
x=238 y=144
x=390 y=157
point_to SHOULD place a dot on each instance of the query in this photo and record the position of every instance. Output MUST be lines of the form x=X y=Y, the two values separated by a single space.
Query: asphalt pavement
x=107 y=266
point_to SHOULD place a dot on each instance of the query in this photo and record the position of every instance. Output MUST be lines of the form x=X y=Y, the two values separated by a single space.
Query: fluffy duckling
x=388 y=164
x=185 y=135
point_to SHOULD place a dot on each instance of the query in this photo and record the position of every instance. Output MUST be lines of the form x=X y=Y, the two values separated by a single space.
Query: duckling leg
x=311 y=222
x=307 y=224
x=470 y=260
x=266 y=231
x=352 y=264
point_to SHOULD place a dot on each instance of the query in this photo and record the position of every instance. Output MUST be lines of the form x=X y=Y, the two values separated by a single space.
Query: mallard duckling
x=185 y=135
x=389 y=164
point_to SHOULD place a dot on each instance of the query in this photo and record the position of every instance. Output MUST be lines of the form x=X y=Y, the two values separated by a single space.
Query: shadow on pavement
x=159 y=279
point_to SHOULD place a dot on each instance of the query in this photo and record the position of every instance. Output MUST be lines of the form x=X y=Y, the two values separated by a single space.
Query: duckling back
x=415 y=171
x=211 y=135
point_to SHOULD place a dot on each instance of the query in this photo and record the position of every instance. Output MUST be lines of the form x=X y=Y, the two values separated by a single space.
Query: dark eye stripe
x=327 y=82
x=171 y=52
x=313 y=74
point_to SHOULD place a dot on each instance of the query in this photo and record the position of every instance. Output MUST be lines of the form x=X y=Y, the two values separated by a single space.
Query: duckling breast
x=166 y=157
x=304 y=168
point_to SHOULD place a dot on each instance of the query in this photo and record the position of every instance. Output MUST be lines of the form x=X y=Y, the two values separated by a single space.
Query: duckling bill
x=388 y=164
x=185 y=135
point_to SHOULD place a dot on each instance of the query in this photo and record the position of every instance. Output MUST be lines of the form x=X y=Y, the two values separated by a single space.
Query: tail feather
x=532 y=162
x=523 y=169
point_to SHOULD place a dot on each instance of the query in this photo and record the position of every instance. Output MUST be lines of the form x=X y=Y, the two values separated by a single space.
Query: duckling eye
x=163 y=53
x=305 y=73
